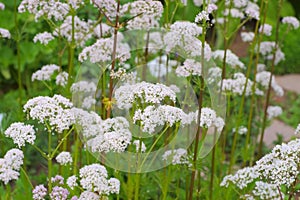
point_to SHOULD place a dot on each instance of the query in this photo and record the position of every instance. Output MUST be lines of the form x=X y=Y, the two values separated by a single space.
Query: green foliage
x=291 y=111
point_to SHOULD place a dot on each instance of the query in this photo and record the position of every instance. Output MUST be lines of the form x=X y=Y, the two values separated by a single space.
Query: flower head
x=64 y=158
x=21 y=133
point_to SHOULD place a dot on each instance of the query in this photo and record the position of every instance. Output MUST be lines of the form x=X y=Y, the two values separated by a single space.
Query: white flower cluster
x=4 y=33
x=145 y=92
x=267 y=50
x=39 y=192
x=54 y=111
x=274 y=111
x=62 y=79
x=263 y=78
x=247 y=36
x=147 y=14
x=83 y=86
x=280 y=167
x=189 y=67
x=231 y=58
x=64 y=158
x=45 y=73
x=43 y=38
x=88 y=102
x=103 y=135
x=21 y=133
x=209 y=118
x=158 y=67
x=252 y=10
x=237 y=3
x=87 y=195
x=109 y=7
x=102 y=51
x=234 y=12
x=75 y=4
x=200 y=2
x=103 y=30
x=113 y=135
x=82 y=30
x=265 y=29
x=238 y=84
x=177 y=156
x=88 y=122
x=59 y=180
x=183 y=28
x=242 y=130
x=202 y=17
x=241 y=178
x=152 y=117
x=242 y=9
x=139 y=145
x=261 y=67
x=182 y=37
x=48 y=8
x=59 y=192
x=94 y=178
x=214 y=75
x=266 y=191
x=72 y=182
x=292 y=21
x=10 y=165
x=155 y=42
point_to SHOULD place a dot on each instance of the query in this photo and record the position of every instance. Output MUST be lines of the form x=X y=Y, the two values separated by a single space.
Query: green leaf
x=29 y=52
x=5 y=72
x=7 y=56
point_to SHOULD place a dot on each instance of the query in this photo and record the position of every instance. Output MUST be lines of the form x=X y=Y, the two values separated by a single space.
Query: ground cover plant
x=145 y=99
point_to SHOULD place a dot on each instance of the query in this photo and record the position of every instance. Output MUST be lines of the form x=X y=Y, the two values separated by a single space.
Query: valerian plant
x=141 y=102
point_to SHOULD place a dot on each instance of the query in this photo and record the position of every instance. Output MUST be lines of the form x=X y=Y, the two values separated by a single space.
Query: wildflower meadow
x=148 y=99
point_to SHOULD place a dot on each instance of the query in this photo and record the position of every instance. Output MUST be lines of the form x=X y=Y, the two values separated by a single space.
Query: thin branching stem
x=270 y=81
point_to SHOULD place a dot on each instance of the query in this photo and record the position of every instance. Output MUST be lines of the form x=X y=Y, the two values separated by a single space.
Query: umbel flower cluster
x=280 y=168
x=116 y=85
x=92 y=179
x=10 y=165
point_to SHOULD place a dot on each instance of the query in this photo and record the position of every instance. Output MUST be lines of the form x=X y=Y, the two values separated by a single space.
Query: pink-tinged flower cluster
x=10 y=165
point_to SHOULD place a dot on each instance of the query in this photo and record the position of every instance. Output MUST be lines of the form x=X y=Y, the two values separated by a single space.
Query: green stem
x=166 y=184
x=270 y=81
x=40 y=151
x=151 y=148
x=211 y=185
x=113 y=58
x=71 y=51
x=27 y=177
x=241 y=109
x=200 y=105
x=174 y=12
x=18 y=38
x=49 y=161
x=253 y=97
x=61 y=142
x=137 y=186
x=77 y=149
x=8 y=192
